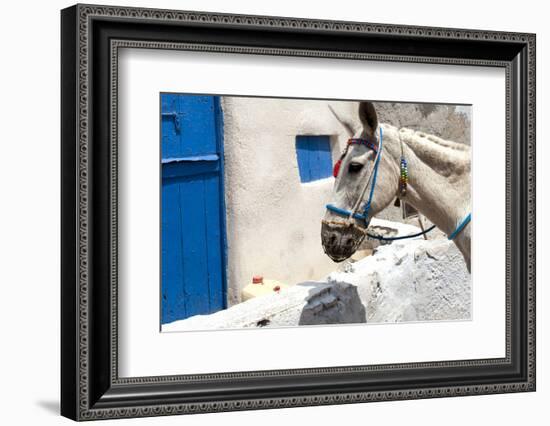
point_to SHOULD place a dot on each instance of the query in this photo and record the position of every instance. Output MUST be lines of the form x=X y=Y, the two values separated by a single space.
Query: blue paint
x=314 y=157
x=180 y=169
x=210 y=157
x=193 y=211
x=197 y=125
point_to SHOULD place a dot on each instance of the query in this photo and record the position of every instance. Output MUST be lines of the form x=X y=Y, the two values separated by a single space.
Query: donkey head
x=340 y=234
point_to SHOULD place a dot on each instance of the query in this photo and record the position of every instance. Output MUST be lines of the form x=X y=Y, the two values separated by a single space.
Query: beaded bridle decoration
x=354 y=141
x=403 y=181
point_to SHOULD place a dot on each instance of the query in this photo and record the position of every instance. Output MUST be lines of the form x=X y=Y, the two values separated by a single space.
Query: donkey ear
x=368 y=117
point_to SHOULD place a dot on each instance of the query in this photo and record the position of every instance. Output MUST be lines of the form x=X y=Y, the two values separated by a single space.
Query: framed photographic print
x=263 y=212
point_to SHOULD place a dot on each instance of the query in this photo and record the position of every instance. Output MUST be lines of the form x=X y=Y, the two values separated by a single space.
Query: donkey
x=429 y=173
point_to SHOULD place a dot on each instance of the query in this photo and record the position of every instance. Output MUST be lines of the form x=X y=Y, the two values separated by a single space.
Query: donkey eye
x=354 y=167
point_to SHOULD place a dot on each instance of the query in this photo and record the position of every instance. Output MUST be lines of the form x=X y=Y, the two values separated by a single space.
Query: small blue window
x=314 y=157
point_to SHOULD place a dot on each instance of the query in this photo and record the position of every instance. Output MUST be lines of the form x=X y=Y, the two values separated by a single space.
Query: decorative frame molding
x=91 y=388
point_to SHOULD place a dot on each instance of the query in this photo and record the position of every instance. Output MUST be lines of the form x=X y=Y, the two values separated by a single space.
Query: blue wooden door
x=193 y=214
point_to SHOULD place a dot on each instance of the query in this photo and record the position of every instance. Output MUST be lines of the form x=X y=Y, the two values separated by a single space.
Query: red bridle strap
x=366 y=142
x=354 y=141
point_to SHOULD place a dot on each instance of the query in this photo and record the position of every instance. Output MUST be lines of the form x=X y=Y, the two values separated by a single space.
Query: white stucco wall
x=274 y=220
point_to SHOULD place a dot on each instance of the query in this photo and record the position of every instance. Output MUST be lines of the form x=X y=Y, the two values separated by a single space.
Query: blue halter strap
x=365 y=215
x=460 y=226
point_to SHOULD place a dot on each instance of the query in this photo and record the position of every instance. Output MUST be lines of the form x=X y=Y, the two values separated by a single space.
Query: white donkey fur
x=439 y=176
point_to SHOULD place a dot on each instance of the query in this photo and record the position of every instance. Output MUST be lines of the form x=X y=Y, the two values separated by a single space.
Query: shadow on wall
x=336 y=304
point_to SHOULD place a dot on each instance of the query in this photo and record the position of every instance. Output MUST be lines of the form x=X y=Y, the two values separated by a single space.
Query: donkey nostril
x=332 y=239
x=350 y=242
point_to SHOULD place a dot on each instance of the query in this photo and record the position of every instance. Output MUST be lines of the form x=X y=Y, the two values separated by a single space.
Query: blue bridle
x=365 y=215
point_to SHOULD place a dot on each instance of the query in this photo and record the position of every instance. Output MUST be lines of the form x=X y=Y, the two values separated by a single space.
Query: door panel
x=193 y=216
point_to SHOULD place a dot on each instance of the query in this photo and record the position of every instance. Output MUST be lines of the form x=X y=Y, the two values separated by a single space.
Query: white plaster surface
x=287 y=308
x=274 y=220
x=413 y=280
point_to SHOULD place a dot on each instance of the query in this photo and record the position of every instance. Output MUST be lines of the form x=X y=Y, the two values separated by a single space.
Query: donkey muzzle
x=341 y=239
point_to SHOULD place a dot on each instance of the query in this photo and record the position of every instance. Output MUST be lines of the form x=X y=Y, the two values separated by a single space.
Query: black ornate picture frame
x=91 y=36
